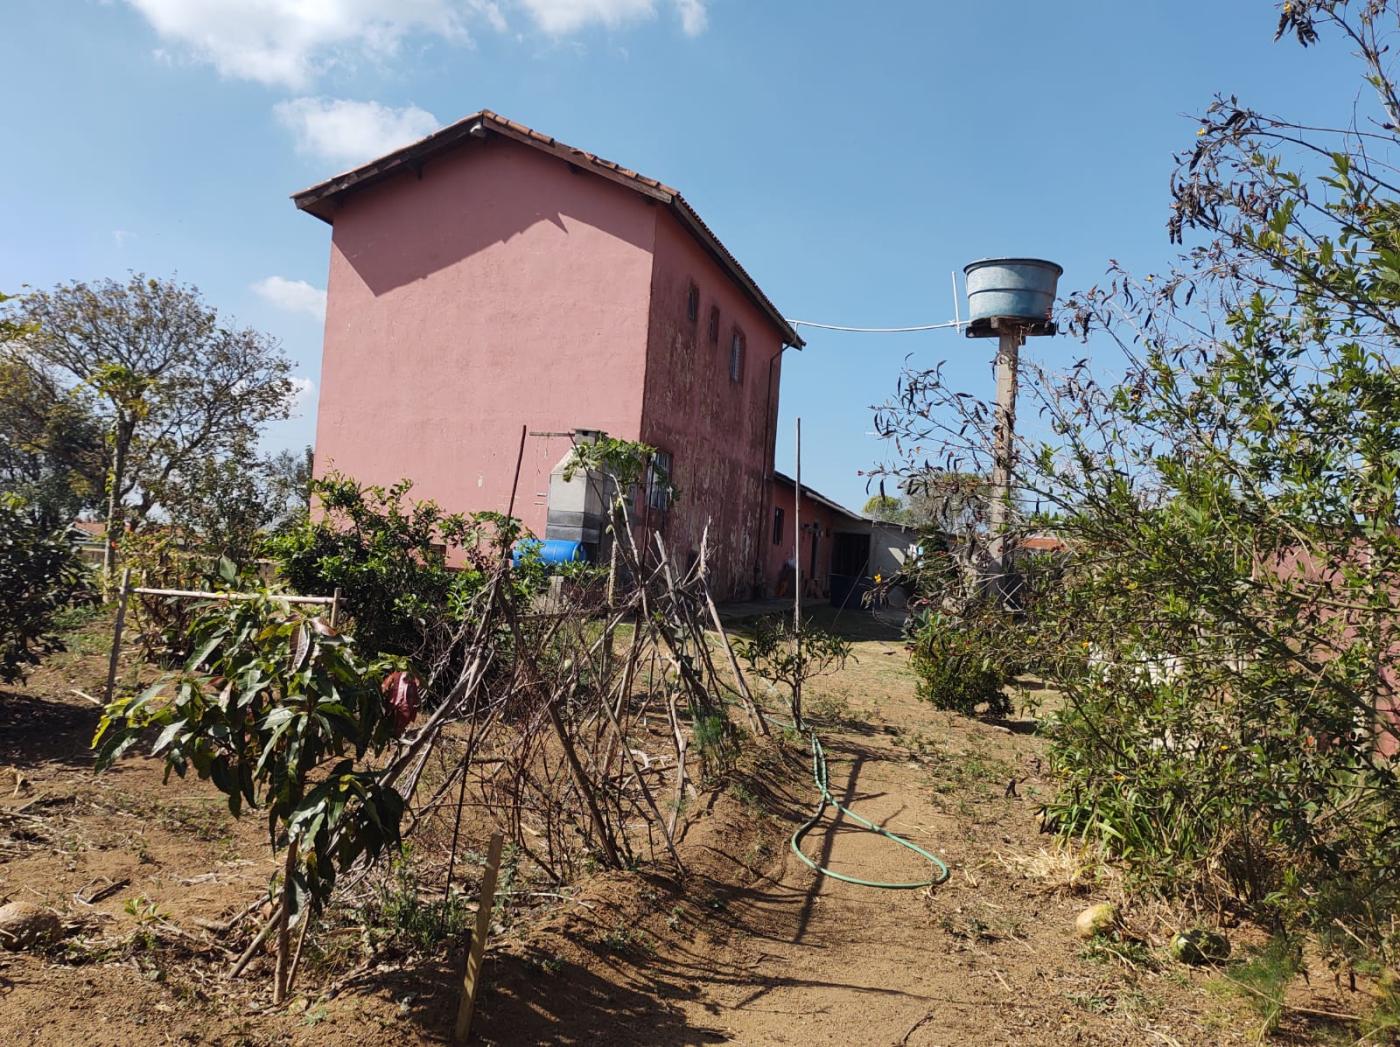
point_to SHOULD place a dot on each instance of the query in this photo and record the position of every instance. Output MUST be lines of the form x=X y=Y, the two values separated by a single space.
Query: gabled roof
x=321 y=199
x=819 y=498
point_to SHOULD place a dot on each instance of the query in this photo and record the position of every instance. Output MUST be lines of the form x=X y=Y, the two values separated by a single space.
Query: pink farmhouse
x=489 y=277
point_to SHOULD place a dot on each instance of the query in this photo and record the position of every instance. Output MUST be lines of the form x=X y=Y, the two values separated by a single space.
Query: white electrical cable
x=877 y=330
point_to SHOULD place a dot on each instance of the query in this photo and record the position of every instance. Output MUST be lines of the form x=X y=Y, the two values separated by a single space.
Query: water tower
x=1009 y=299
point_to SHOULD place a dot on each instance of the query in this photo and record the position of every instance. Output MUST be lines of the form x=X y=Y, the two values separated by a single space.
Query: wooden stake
x=117 y=636
x=581 y=782
x=471 y=981
x=335 y=607
x=750 y=706
x=284 y=926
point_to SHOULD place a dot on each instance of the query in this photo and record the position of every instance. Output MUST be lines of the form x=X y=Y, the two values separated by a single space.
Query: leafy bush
x=389 y=559
x=1226 y=644
x=963 y=661
x=160 y=559
x=41 y=575
x=772 y=653
x=276 y=710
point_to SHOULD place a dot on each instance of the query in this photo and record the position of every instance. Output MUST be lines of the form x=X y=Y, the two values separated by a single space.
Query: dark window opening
x=692 y=303
x=778 y=525
x=659 y=481
x=714 y=325
x=812 y=568
x=736 y=357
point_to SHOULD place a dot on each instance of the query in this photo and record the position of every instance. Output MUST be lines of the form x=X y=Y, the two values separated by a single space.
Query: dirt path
x=813 y=960
x=760 y=950
x=750 y=948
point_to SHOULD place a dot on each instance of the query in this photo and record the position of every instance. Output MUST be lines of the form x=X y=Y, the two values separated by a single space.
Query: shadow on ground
x=851 y=623
x=35 y=730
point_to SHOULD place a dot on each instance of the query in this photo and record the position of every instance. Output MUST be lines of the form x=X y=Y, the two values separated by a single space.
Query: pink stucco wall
x=499 y=289
x=719 y=432
x=827 y=523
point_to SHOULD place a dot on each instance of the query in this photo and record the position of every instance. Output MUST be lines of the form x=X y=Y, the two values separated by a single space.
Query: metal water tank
x=1011 y=293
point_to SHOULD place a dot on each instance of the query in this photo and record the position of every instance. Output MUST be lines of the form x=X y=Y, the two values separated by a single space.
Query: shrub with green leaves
x=279 y=712
x=41 y=574
x=964 y=662
x=773 y=654
x=388 y=556
x=1225 y=642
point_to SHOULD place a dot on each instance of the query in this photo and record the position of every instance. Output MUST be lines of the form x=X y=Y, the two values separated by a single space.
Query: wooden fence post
x=472 y=979
x=117 y=636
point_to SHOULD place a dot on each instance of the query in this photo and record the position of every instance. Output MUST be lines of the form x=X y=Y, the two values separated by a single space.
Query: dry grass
x=1061 y=868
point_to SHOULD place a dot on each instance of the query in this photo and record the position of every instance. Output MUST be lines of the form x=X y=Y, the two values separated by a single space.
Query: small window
x=736 y=357
x=714 y=325
x=659 y=481
x=778 y=525
x=692 y=303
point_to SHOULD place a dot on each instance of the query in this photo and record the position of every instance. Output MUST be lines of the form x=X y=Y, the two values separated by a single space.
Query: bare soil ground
x=750 y=948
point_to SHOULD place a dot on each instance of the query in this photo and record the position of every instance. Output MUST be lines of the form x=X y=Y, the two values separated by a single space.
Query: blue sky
x=850 y=154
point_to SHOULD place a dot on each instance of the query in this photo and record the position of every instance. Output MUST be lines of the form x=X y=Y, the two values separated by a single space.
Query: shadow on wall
x=483 y=195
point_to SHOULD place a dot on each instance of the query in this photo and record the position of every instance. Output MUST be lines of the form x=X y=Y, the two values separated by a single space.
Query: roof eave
x=320 y=199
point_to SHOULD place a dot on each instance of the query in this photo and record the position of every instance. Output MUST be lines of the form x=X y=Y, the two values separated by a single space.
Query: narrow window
x=816 y=537
x=692 y=303
x=659 y=481
x=714 y=325
x=778 y=525
x=736 y=357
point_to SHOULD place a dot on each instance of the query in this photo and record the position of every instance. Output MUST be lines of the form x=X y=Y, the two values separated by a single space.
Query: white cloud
x=561 y=17
x=694 y=17
x=303 y=395
x=289 y=42
x=343 y=131
x=295 y=296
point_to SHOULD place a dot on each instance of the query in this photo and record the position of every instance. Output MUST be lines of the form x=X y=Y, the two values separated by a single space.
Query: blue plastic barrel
x=1011 y=288
x=550 y=551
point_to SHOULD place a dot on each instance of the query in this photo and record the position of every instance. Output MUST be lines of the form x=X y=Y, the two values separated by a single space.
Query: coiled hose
x=819 y=775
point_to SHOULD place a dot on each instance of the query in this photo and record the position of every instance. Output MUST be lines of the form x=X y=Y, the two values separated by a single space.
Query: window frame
x=738 y=350
x=659 y=490
x=714 y=325
x=692 y=303
x=779 y=524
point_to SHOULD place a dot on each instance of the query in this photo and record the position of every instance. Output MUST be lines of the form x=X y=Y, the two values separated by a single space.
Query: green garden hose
x=819 y=775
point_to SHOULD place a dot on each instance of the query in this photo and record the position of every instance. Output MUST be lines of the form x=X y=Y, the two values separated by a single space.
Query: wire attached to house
x=957 y=321
x=877 y=330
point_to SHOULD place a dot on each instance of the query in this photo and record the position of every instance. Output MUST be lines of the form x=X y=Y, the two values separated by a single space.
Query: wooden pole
x=117 y=636
x=595 y=813
x=471 y=981
x=199 y=594
x=1008 y=362
x=797 y=580
x=284 y=926
x=335 y=607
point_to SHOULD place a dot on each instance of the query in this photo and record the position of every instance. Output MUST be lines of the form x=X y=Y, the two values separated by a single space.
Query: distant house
x=489 y=278
x=841 y=549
